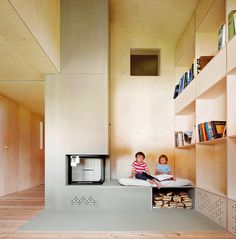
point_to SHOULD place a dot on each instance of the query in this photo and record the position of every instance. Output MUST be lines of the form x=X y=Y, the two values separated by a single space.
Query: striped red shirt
x=139 y=167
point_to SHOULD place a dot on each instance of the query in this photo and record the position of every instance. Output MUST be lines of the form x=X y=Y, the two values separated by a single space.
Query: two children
x=141 y=171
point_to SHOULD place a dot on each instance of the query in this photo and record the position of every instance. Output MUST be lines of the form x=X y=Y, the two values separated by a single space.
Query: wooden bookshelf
x=212 y=162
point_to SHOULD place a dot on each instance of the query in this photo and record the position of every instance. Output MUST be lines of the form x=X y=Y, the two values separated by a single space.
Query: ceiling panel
x=21 y=55
x=166 y=18
x=29 y=94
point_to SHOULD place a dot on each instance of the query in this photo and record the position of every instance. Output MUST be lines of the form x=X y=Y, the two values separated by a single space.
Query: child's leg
x=151 y=179
x=142 y=176
x=159 y=185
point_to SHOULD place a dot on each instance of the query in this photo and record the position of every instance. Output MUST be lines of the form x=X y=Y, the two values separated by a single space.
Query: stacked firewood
x=172 y=200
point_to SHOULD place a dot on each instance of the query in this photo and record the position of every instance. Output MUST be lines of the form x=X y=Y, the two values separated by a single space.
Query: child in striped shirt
x=141 y=171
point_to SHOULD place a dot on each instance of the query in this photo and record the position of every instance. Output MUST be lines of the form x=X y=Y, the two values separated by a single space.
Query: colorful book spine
x=231 y=29
x=221 y=37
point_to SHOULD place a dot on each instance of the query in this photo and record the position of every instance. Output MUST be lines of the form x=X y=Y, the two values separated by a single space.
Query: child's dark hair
x=141 y=154
x=163 y=156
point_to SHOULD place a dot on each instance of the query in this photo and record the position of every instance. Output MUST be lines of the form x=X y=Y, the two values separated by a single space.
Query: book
x=231 y=29
x=186 y=81
x=187 y=137
x=200 y=134
x=218 y=128
x=209 y=132
x=203 y=61
x=181 y=84
x=179 y=140
x=176 y=92
x=195 y=68
x=221 y=37
x=234 y=22
x=204 y=132
x=163 y=177
x=225 y=131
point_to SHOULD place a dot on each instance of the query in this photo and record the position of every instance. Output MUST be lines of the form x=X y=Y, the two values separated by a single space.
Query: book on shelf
x=176 y=91
x=211 y=130
x=193 y=139
x=221 y=37
x=231 y=24
x=197 y=65
x=183 y=138
x=203 y=61
x=179 y=140
x=218 y=128
x=224 y=131
x=187 y=137
x=181 y=84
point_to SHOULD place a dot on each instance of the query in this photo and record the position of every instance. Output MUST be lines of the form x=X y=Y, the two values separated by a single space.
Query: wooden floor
x=18 y=208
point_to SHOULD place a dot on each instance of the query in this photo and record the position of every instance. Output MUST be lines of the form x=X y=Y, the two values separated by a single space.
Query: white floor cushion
x=179 y=182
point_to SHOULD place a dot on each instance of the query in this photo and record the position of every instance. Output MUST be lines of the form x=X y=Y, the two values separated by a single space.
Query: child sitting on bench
x=141 y=171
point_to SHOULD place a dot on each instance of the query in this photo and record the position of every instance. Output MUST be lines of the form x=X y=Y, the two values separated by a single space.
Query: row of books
x=183 y=138
x=211 y=130
x=187 y=77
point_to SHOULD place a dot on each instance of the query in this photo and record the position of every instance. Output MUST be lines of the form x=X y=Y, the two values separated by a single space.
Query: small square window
x=144 y=62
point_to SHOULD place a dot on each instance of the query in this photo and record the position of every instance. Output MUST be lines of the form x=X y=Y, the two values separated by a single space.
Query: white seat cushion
x=179 y=182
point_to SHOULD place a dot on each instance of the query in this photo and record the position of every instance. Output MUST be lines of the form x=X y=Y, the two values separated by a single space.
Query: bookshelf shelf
x=214 y=141
x=185 y=102
x=213 y=73
x=190 y=146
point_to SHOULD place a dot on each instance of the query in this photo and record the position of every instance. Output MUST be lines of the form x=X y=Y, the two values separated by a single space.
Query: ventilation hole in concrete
x=83 y=201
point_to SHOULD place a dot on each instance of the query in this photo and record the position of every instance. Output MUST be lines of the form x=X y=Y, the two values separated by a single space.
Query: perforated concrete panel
x=232 y=216
x=90 y=197
x=83 y=201
x=212 y=206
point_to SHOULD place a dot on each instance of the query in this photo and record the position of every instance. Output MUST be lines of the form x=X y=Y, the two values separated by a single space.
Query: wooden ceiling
x=23 y=63
x=166 y=18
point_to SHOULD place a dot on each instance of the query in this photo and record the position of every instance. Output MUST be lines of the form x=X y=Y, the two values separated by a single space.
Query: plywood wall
x=21 y=160
x=142 y=108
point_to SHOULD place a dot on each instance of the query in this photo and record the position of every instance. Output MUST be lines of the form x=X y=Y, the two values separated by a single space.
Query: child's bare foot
x=150 y=181
x=159 y=185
